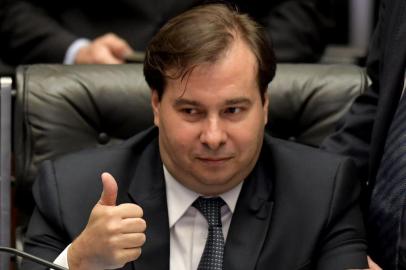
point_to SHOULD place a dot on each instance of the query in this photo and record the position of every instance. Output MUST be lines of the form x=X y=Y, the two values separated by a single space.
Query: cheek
x=247 y=138
x=247 y=141
x=179 y=138
x=251 y=127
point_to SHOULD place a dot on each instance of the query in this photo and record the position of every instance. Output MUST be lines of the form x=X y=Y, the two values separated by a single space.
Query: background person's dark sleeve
x=29 y=35
x=298 y=27
x=353 y=135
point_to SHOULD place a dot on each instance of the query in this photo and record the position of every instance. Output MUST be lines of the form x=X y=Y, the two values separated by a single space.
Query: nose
x=213 y=135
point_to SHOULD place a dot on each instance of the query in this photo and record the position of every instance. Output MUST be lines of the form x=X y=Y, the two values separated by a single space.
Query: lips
x=214 y=160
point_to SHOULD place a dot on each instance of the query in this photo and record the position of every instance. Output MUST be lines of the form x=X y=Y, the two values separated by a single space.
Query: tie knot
x=210 y=209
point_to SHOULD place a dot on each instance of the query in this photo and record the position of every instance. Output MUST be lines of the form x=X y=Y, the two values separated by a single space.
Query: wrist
x=82 y=56
x=73 y=49
x=77 y=257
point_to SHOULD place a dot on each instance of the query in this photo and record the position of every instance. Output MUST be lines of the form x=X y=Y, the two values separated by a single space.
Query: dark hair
x=203 y=34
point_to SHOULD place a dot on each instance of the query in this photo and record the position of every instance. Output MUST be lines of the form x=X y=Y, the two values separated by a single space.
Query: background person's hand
x=113 y=236
x=372 y=265
x=106 y=49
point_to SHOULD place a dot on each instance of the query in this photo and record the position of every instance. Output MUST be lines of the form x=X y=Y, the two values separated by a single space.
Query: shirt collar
x=180 y=198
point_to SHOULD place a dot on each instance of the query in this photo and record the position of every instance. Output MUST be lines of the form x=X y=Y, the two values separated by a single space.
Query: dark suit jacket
x=41 y=30
x=298 y=209
x=26 y=34
x=363 y=132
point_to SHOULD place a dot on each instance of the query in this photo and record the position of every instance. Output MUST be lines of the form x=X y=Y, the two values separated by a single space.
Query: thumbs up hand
x=113 y=236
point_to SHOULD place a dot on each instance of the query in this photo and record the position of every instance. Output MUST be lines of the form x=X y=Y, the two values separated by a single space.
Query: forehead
x=235 y=71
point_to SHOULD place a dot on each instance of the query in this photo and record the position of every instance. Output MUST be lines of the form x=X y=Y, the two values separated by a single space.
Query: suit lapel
x=391 y=81
x=394 y=54
x=250 y=222
x=147 y=189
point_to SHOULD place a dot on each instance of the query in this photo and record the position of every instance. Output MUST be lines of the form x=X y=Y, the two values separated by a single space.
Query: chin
x=216 y=181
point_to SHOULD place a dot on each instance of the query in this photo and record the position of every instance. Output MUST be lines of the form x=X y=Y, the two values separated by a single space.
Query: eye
x=233 y=110
x=190 y=111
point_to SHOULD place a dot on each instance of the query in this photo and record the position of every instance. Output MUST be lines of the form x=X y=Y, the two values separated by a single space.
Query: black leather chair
x=61 y=109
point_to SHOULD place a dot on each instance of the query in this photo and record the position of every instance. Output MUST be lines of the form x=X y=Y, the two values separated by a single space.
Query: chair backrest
x=5 y=168
x=307 y=100
x=61 y=109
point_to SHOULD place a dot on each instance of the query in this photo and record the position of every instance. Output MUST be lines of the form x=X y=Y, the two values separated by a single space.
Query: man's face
x=211 y=123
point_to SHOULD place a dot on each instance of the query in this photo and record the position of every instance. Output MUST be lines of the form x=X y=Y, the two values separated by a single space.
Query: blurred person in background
x=106 y=32
x=373 y=134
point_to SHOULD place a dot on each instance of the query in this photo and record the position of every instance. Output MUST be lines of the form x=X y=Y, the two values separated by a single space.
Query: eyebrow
x=239 y=101
x=182 y=102
x=233 y=101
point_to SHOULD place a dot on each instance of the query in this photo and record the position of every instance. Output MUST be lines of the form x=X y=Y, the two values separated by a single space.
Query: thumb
x=109 y=194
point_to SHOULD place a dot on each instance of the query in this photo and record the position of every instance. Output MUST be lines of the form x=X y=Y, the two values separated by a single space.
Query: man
x=211 y=190
x=372 y=134
x=104 y=32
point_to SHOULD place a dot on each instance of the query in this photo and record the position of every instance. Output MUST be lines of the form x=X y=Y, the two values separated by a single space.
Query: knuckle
x=141 y=224
x=117 y=258
x=139 y=239
x=112 y=243
x=133 y=208
x=137 y=253
x=139 y=211
x=109 y=212
x=142 y=239
x=112 y=227
x=110 y=36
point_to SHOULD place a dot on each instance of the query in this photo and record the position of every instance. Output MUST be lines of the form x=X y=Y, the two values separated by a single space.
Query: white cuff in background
x=62 y=259
x=73 y=50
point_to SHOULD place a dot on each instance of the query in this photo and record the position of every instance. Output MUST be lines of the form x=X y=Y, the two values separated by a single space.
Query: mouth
x=214 y=160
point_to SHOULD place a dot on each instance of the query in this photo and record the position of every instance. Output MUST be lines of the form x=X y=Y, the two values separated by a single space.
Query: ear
x=155 y=103
x=266 y=108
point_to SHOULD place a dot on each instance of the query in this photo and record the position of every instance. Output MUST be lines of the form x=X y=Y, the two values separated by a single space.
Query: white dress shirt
x=188 y=227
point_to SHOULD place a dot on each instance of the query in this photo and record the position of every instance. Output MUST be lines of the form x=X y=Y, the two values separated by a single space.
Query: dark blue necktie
x=212 y=258
x=388 y=195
